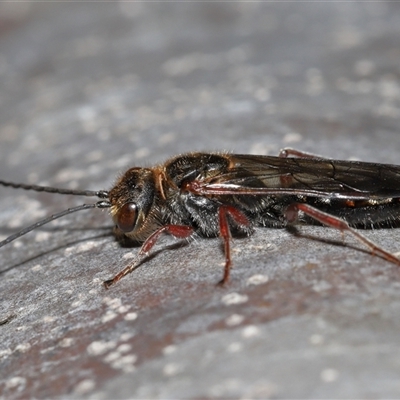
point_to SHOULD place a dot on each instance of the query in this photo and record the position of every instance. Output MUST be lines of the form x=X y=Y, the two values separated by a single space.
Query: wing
x=251 y=174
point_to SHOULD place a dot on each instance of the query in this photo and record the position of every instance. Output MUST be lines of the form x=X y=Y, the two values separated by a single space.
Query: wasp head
x=131 y=199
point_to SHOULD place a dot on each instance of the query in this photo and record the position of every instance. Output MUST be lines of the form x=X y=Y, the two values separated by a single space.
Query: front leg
x=178 y=231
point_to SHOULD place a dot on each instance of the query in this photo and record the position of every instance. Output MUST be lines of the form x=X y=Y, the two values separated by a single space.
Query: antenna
x=101 y=194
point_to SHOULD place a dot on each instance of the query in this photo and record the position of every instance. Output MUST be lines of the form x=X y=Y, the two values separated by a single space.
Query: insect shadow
x=296 y=232
x=54 y=249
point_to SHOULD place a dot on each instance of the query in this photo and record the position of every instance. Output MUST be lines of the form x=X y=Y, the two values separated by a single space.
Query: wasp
x=225 y=195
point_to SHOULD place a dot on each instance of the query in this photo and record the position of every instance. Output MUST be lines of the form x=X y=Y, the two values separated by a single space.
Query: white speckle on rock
x=250 y=331
x=321 y=286
x=112 y=303
x=123 y=309
x=17 y=245
x=5 y=353
x=234 y=319
x=36 y=267
x=316 y=339
x=169 y=349
x=234 y=298
x=125 y=363
x=66 y=342
x=172 y=369
x=111 y=357
x=108 y=316
x=126 y=336
x=23 y=347
x=124 y=348
x=329 y=375
x=128 y=256
x=234 y=347
x=86 y=246
x=76 y=303
x=15 y=381
x=257 y=279
x=85 y=386
x=131 y=316
x=100 y=347
x=42 y=236
x=48 y=318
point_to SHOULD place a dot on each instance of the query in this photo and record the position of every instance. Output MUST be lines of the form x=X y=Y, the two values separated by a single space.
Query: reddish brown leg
x=225 y=234
x=335 y=222
x=178 y=231
x=288 y=152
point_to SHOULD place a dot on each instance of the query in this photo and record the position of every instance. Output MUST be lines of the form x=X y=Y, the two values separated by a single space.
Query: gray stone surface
x=88 y=90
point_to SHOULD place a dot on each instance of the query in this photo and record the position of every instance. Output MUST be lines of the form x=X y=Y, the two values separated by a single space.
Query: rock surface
x=87 y=91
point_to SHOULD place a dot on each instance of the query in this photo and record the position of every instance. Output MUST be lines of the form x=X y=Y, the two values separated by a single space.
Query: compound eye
x=126 y=218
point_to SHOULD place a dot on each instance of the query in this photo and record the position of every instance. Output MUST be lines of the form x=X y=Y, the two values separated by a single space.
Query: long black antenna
x=101 y=194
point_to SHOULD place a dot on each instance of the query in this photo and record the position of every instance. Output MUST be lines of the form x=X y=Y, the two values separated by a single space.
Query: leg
x=178 y=231
x=335 y=222
x=225 y=234
x=287 y=152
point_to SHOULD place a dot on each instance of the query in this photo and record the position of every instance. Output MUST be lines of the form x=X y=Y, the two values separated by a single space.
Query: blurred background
x=88 y=90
